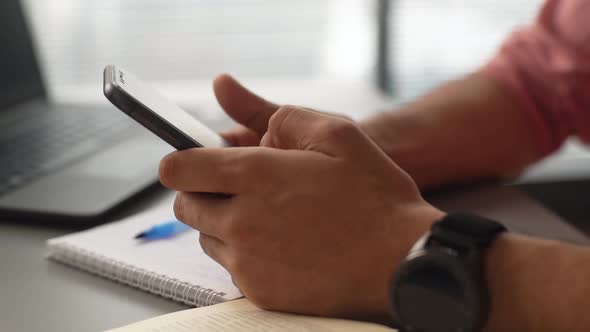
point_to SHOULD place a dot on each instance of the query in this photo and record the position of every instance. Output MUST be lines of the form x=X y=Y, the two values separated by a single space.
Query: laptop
x=62 y=162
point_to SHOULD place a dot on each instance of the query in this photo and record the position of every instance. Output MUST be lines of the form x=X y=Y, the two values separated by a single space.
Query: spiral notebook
x=175 y=268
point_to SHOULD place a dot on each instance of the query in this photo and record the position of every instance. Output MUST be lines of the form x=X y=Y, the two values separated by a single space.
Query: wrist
x=409 y=137
x=392 y=131
x=418 y=220
x=509 y=278
x=497 y=264
x=444 y=276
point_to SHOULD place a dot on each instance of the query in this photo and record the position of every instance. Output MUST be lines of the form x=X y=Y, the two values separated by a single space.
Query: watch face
x=435 y=292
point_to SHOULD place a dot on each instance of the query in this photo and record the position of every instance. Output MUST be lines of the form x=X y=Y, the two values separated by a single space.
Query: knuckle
x=266 y=140
x=247 y=164
x=280 y=116
x=232 y=173
x=230 y=170
x=179 y=208
x=238 y=167
x=339 y=128
x=167 y=169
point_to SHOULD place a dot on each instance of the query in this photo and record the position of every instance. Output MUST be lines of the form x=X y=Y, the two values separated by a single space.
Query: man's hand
x=318 y=217
x=251 y=111
x=451 y=135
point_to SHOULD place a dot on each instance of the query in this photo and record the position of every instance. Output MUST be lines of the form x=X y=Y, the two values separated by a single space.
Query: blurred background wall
x=435 y=40
x=164 y=40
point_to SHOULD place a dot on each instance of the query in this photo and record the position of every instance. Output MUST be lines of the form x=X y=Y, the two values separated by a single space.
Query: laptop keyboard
x=53 y=140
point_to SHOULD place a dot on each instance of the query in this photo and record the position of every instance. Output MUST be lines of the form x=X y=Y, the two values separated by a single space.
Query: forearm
x=538 y=285
x=465 y=130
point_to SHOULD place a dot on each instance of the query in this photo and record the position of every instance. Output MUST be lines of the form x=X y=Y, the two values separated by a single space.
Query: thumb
x=242 y=105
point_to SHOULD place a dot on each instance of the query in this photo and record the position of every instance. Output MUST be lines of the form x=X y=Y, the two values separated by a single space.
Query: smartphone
x=162 y=117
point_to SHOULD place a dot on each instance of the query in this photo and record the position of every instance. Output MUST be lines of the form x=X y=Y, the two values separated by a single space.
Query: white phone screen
x=167 y=110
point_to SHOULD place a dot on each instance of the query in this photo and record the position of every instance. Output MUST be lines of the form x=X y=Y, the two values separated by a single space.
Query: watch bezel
x=439 y=258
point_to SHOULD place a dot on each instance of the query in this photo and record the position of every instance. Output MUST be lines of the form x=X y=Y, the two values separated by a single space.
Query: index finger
x=223 y=170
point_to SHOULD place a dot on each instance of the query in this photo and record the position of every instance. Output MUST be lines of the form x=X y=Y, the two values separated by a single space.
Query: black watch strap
x=441 y=285
x=466 y=230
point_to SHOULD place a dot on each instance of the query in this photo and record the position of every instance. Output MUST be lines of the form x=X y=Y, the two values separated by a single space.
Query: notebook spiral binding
x=155 y=283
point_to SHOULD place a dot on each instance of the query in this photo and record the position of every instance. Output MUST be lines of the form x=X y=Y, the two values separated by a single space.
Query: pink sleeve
x=547 y=68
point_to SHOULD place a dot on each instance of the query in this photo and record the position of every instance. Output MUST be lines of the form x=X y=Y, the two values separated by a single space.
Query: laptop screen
x=20 y=77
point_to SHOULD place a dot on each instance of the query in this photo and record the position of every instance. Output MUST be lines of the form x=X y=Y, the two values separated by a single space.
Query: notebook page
x=241 y=315
x=179 y=257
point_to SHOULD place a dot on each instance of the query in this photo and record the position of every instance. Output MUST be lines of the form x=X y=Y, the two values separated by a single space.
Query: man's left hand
x=317 y=217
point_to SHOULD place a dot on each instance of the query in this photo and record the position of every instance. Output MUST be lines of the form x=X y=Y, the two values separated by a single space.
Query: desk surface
x=40 y=295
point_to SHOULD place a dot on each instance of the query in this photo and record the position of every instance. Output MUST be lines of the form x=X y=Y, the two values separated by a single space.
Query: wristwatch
x=441 y=284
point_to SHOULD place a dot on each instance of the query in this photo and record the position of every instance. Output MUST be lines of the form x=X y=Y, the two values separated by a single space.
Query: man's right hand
x=466 y=130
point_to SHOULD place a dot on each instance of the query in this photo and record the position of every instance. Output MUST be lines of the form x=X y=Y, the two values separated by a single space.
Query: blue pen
x=163 y=230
